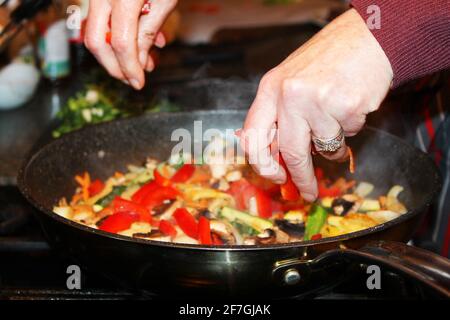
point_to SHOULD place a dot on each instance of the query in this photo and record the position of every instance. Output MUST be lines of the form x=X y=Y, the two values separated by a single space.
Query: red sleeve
x=414 y=34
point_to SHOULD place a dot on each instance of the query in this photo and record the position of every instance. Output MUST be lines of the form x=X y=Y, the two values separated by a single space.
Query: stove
x=31 y=270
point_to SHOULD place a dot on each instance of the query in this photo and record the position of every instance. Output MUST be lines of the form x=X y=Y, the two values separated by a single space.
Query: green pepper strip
x=316 y=219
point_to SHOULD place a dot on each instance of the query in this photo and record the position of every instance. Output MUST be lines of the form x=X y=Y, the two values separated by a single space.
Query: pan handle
x=430 y=269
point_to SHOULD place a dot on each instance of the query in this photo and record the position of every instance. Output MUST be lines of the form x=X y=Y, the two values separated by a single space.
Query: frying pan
x=271 y=271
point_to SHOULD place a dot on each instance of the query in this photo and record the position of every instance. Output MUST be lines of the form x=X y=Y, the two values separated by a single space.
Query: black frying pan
x=277 y=270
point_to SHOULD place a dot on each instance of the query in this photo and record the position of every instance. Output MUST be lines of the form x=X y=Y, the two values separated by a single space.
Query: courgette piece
x=316 y=219
x=106 y=200
x=327 y=202
x=245 y=218
x=369 y=205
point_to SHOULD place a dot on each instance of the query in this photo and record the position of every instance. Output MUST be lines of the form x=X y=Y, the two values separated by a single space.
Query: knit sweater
x=414 y=34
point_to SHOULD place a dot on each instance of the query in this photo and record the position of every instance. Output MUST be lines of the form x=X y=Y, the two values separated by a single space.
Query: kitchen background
x=51 y=85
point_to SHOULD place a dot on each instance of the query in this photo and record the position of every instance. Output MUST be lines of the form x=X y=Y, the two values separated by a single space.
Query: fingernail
x=160 y=40
x=308 y=196
x=135 y=83
x=125 y=81
x=143 y=56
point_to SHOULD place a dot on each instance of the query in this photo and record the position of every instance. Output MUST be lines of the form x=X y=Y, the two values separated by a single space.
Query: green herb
x=97 y=104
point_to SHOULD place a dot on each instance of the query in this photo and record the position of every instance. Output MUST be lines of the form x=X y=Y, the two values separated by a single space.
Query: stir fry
x=223 y=205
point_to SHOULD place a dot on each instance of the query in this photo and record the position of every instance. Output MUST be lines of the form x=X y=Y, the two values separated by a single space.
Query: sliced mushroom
x=268 y=236
x=224 y=231
x=250 y=241
x=341 y=206
x=168 y=213
x=207 y=214
x=296 y=230
x=159 y=210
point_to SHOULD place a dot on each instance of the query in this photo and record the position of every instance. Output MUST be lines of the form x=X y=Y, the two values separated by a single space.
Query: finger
x=152 y=62
x=295 y=147
x=96 y=29
x=259 y=133
x=325 y=127
x=149 y=26
x=124 y=29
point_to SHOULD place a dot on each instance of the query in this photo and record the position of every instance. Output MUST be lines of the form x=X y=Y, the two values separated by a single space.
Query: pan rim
x=223 y=248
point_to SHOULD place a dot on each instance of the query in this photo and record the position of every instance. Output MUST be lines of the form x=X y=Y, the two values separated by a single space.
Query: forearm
x=415 y=34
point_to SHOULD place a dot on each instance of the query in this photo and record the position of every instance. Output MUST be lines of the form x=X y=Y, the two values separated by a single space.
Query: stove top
x=30 y=270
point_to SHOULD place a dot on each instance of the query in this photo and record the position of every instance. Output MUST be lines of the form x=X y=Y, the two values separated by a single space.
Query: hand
x=132 y=36
x=332 y=81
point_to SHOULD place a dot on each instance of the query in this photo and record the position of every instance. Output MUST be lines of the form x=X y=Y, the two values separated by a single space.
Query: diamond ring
x=329 y=144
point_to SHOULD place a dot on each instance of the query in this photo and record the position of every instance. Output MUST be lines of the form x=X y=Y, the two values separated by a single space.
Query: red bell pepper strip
x=333 y=191
x=241 y=191
x=119 y=221
x=186 y=222
x=157 y=197
x=263 y=203
x=319 y=174
x=145 y=190
x=122 y=205
x=204 y=231
x=216 y=239
x=289 y=191
x=96 y=187
x=167 y=228
x=317 y=236
x=183 y=174
x=161 y=180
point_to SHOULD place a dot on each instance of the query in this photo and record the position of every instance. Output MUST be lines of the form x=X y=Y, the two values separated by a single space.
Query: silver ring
x=329 y=144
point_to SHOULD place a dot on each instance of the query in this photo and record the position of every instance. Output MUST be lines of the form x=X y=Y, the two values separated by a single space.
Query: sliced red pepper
x=324 y=191
x=96 y=187
x=158 y=195
x=289 y=191
x=183 y=174
x=144 y=191
x=161 y=180
x=186 y=222
x=277 y=206
x=119 y=221
x=216 y=240
x=263 y=203
x=317 y=236
x=167 y=228
x=121 y=205
x=319 y=174
x=204 y=231
x=242 y=191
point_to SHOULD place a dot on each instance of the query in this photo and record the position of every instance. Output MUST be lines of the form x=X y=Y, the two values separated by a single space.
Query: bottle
x=53 y=44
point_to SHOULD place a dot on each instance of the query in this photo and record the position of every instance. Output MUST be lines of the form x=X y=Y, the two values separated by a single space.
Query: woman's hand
x=132 y=36
x=332 y=81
